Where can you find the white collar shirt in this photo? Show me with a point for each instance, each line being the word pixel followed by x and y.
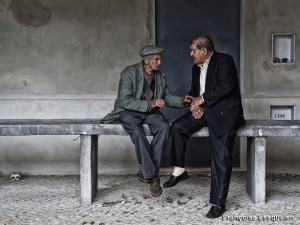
pixel 203 69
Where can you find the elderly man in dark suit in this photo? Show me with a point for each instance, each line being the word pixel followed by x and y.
pixel 142 92
pixel 217 104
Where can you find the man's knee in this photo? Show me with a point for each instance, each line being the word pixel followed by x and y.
pixel 126 117
pixel 175 126
pixel 163 127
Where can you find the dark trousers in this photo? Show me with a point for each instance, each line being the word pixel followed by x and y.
pixel 221 164
pixel 149 155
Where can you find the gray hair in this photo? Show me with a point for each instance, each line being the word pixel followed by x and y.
pixel 203 41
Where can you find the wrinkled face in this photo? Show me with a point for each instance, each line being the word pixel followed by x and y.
pixel 153 62
pixel 199 55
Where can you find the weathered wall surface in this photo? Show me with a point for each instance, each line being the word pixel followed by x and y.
pixel 62 59
pixel 70 47
pixel 265 84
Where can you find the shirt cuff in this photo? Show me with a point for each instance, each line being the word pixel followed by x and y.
pixel 202 98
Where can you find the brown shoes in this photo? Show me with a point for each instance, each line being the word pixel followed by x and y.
pixel 141 177
pixel 155 188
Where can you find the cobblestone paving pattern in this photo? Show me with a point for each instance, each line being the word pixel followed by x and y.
pixel 122 199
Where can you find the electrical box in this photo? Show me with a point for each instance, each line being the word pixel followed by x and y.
pixel 283 48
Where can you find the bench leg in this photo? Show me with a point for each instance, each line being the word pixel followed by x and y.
pixel 256 169
pixel 88 168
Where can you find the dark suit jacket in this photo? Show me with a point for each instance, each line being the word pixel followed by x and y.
pixel 223 109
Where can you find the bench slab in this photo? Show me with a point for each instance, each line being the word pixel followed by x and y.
pixel 26 127
pixel 256 132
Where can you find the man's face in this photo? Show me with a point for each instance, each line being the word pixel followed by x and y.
pixel 199 56
pixel 153 62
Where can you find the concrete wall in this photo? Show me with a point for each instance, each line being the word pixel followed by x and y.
pixel 62 59
pixel 263 83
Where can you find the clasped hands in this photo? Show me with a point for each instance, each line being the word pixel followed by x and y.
pixel 196 108
pixel 196 102
pixel 157 103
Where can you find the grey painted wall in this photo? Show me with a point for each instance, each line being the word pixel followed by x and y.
pixel 62 59
pixel 76 48
pixel 264 84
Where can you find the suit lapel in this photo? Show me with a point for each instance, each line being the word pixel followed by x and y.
pixel 210 70
pixel 140 81
pixel 195 80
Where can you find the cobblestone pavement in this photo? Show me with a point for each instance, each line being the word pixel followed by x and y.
pixel 122 199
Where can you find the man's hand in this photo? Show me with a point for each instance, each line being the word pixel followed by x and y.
pixel 196 102
pixel 197 112
pixel 187 99
pixel 157 103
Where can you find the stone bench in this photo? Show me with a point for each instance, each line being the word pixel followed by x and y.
pixel 256 132
pixel 88 129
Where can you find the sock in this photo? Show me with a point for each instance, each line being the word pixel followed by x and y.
pixel 178 171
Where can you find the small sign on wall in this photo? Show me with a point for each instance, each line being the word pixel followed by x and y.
pixel 282 112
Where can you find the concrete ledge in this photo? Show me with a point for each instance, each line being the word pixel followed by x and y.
pixel 24 127
pixel 89 129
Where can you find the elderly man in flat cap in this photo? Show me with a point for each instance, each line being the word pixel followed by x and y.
pixel 142 92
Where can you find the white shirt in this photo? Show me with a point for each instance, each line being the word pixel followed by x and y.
pixel 203 73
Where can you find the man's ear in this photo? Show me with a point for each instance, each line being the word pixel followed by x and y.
pixel 146 60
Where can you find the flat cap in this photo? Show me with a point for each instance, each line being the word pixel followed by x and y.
pixel 150 50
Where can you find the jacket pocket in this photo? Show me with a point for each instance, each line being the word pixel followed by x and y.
pixel 232 105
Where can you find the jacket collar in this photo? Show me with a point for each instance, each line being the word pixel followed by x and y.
pixel 210 69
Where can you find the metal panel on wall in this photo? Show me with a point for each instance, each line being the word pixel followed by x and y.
pixel 179 21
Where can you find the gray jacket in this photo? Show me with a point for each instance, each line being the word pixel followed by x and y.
pixel 130 92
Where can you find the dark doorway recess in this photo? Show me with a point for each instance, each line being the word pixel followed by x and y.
pixel 179 21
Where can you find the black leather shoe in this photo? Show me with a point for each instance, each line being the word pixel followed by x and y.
pixel 175 180
pixel 215 212
pixel 141 177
